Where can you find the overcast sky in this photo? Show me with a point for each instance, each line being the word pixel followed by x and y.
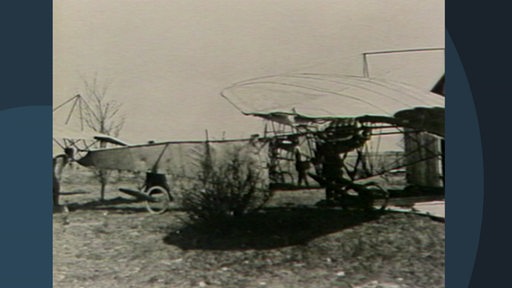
pixel 167 60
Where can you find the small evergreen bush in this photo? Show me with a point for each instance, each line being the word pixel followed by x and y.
pixel 226 188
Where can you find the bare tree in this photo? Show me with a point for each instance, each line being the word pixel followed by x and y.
pixel 103 113
pixel 103 116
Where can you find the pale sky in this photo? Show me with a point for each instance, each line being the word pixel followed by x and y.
pixel 168 60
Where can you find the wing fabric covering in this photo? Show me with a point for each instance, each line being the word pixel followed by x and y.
pixel 328 96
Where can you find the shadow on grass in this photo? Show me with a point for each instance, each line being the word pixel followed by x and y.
pixel 109 205
pixel 268 229
pixel 74 193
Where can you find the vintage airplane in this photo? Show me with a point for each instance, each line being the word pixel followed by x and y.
pixel 320 126
pixel 324 127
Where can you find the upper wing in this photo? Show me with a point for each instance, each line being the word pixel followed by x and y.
pixel 326 96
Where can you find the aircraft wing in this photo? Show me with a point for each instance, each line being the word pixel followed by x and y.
pixel 324 96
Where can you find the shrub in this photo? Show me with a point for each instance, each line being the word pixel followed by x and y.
pixel 225 188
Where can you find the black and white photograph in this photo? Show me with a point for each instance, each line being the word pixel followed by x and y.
pixel 249 143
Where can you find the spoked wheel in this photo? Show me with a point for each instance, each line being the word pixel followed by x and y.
pixel 162 199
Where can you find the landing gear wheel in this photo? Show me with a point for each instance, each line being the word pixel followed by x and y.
pixel 162 199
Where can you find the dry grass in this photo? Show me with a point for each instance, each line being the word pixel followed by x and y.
pixel 121 245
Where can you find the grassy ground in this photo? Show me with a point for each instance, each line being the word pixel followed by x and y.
pixel 289 244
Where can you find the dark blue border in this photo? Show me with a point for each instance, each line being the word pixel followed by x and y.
pixel 26 48
pixel 480 32
pixel 464 183
pixel 26 215
pixel 25 146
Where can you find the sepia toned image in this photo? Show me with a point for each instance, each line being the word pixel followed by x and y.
pixel 225 143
